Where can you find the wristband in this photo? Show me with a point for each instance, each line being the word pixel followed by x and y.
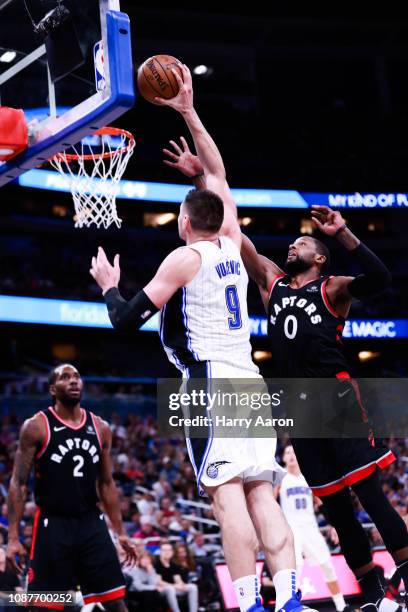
pixel 341 229
pixel 196 176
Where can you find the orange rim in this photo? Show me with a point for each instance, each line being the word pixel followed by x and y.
pixel 105 131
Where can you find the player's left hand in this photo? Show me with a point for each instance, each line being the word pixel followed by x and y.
pixel 183 159
pixel 327 220
pixel 106 275
pixel 183 101
pixel 129 549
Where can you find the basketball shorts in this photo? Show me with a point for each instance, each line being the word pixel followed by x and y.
pixel 309 543
pixel 216 459
pixel 72 552
pixel 332 464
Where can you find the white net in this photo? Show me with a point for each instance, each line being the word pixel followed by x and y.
pixel 93 170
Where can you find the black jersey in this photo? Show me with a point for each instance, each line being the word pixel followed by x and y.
pixel 67 466
pixel 304 331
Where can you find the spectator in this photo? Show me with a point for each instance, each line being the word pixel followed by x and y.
pixel 8 579
pixel 171 581
pixel 146 530
pixel 143 584
pixel 200 548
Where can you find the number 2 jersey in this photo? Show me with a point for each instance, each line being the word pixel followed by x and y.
pixel 304 331
pixel 207 320
pixel 67 466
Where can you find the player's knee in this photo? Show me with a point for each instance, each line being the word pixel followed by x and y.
pixel 328 571
pixel 118 605
pixel 282 538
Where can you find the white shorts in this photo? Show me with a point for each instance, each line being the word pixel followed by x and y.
pixel 217 460
pixel 310 543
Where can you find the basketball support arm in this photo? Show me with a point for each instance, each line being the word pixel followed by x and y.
pixel 128 315
pixel 375 278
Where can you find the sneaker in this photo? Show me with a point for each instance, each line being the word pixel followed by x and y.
pixel 294 604
pixel 389 605
pixel 257 607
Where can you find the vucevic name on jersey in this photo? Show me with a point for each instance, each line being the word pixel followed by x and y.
pixel 67 466
pixel 304 330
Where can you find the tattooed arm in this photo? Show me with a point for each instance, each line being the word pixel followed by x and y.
pixel 108 494
pixel 32 436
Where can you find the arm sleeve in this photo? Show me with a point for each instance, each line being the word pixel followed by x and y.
pixel 375 278
pixel 129 315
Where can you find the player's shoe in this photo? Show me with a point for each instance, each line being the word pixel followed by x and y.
pixel 257 607
pixel 392 606
pixel 294 604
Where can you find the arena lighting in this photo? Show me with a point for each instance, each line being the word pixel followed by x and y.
pixel 201 70
pixel 245 221
pixel 8 57
pixel 262 355
pixel 306 226
pixel 367 355
pixel 165 218
pixel 157 220
pixel 250 198
pixel 17 309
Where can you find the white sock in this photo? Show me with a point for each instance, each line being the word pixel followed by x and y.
pixel 339 602
pixel 246 591
pixel 285 586
pixel 387 605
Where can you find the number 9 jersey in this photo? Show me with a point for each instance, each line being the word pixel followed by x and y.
pixel 207 320
pixel 67 465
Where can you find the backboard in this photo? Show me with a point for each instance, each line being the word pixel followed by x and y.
pixel 61 111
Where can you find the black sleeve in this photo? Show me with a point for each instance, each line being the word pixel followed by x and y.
pixel 375 278
pixel 129 315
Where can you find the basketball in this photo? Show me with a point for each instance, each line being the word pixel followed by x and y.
pixel 155 77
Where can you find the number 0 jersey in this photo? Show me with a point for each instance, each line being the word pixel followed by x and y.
pixel 207 320
pixel 304 331
pixel 67 466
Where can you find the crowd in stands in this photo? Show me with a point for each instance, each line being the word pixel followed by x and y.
pixel 163 513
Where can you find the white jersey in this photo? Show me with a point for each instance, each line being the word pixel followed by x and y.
pixel 207 320
pixel 296 500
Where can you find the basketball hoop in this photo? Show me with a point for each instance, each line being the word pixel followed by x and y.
pixel 93 169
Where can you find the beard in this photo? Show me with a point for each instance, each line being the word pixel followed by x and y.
pixel 68 400
pixel 296 266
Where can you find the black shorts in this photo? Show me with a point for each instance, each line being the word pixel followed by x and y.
pixel 332 464
pixel 68 552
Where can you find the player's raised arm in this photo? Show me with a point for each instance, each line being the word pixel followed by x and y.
pixel 342 289
pixel 207 151
pixel 176 271
pixel 261 269
pixel 108 494
pixel 31 437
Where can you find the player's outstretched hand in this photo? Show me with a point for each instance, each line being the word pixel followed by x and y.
pixel 16 549
pixel 129 549
pixel 183 159
pixel 106 275
pixel 327 220
pixel 183 101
